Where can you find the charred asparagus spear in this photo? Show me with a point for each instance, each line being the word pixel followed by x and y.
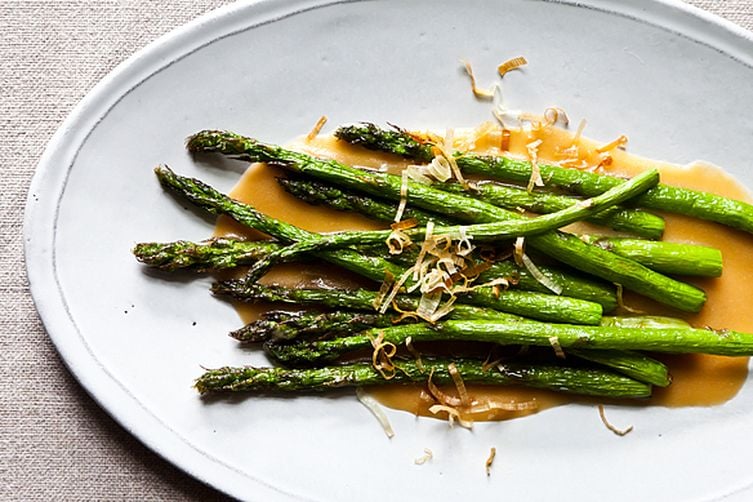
pixel 591 382
pixel 212 254
pixel 685 340
pixel 566 248
pixel 279 326
pixel 525 303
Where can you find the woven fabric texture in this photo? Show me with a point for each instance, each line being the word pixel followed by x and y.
pixel 55 442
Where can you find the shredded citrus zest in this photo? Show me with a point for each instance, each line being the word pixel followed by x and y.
pixel 440 396
pixel 448 151
pixel 617 143
pixel 533 156
pixel 619 432
pixel 403 196
pixel 555 343
pixel 317 128
pixel 387 300
pixel 555 114
pixel 416 354
pixel 459 384
pixel 376 410
pixel 540 276
pixel 501 112
pixel 519 250
pixel 428 455
pixel 511 64
pixel 477 91
pixel 490 460
pixel 579 131
pixel 381 357
pixel 489 405
pixel 504 144
pixel 621 302
pixel 404 224
pixel 452 415
pixel 397 241
pixel 387 283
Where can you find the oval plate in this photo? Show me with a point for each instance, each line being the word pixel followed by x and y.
pixel 668 76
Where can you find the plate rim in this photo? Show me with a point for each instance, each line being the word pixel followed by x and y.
pixel 39 223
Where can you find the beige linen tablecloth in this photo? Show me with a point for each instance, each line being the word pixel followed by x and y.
pixel 55 442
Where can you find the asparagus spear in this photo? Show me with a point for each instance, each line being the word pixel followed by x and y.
pixel 640 223
pixel 592 382
pixel 315 192
pixel 667 257
pixel 566 248
pixel 280 325
pixel 396 141
pixel 524 303
pixel 212 254
pixel 632 364
pixel 481 232
pixel 706 206
pixel 284 325
pixel 686 340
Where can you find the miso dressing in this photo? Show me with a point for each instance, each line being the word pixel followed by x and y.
pixel 698 380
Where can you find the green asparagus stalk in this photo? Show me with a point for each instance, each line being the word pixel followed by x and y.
pixel 667 257
pixel 632 364
pixel 396 141
pixel 280 325
pixel 566 248
pixel 480 232
pixel 706 206
pixel 640 223
pixel 285 325
pixel 212 254
pixel 585 381
pixel 686 340
pixel 316 193
pixel 523 303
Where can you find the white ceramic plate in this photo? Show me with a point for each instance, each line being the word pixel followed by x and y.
pixel 675 80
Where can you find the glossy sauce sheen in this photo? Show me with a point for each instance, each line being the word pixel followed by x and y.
pixel 698 380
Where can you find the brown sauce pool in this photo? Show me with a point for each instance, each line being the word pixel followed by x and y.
pixel 698 380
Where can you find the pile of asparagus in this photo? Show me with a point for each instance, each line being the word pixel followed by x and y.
pixel 557 337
